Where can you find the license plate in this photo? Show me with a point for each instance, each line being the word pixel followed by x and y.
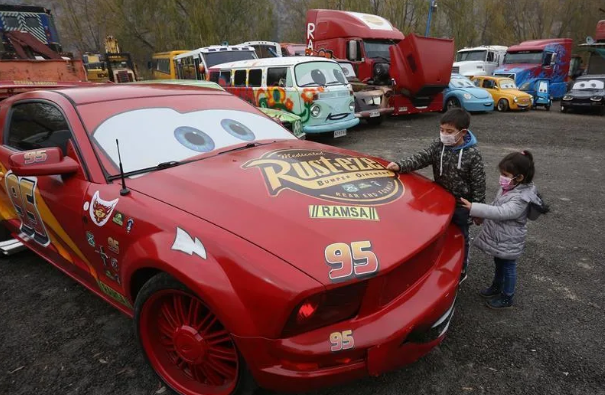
pixel 403 109
pixel 374 114
pixel 340 133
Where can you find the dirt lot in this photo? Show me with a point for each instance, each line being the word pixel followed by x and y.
pixel 57 338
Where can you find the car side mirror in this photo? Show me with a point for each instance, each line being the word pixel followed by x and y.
pixel 352 50
pixel 42 162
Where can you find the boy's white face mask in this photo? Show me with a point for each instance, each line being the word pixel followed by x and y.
pixel 448 139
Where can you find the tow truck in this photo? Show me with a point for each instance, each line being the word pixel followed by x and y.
pixel 416 68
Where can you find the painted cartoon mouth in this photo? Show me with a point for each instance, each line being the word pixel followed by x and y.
pixel 336 117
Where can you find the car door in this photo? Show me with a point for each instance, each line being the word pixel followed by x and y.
pixel 43 211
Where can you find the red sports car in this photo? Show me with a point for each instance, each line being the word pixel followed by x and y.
pixel 246 256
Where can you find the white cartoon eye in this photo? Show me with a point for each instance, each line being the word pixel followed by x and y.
pixel 238 129
pixel 194 139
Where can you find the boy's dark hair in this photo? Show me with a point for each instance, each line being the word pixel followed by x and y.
pixel 519 163
pixel 458 117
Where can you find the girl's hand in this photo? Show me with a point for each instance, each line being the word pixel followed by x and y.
pixel 466 204
pixel 393 166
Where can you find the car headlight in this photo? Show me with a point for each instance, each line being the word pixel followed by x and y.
pixel 467 96
pixel 315 110
pixel 351 106
pixel 567 97
pixel 596 98
pixel 531 99
pixel 516 99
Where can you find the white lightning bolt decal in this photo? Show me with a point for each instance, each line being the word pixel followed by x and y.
pixel 185 243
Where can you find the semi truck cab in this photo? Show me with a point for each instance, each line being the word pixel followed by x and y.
pixel 479 60
pixel 416 68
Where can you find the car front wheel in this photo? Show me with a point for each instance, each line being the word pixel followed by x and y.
pixel 502 105
pixel 452 102
pixel 185 342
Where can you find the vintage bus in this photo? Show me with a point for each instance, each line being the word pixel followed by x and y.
pixel 162 65
pixel 313 88
pixel 192 65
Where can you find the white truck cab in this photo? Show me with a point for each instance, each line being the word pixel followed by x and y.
pixel 264 49
pixel 477 61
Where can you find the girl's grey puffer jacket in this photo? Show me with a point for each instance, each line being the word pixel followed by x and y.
pixel 505 227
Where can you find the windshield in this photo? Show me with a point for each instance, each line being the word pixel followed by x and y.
pixel 214 58
pixel 589 84
pixel 461 83
pixel 507 84
pixel 319 73
pixel 470 55
pixel 347 69
pixel 156 130
pixel 378 49
pixel 523 57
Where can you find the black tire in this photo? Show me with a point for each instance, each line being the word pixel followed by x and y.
pixel 161 282
pixel 375 121
pixel 5 234
pixel 452 102
pixel 502 105
pixel 548 107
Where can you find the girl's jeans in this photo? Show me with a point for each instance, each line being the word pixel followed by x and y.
pixel 505 276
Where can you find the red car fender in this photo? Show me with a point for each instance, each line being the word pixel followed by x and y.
pixel 248 298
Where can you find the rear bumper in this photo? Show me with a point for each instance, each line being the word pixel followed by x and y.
pixel 331 126
pixel 398 334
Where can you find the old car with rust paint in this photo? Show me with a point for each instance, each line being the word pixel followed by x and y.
pixel 245 256
pixel 371 101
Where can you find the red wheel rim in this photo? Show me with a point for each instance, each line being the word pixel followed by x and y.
pixel 187 345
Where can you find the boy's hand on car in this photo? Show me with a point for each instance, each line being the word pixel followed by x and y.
pixel 466 204
pixel 393 166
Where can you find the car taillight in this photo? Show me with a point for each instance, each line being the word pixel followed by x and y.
pixel 325 308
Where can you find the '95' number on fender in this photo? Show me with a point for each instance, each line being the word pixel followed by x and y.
pixel 355 260
pixel 22 192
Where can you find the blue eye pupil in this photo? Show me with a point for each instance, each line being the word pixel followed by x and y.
pixel 194 138
pixel 237 129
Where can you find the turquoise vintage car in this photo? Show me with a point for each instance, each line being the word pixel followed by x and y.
pixel 461 92
pixel 290 121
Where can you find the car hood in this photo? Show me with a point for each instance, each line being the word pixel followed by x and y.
pixel 274 196
pixel 585 93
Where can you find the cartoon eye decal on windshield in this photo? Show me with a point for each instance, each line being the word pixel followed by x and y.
pixel 238 129
pixel 339 76
pixel 194 139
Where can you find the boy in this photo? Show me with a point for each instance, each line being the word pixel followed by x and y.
pixel 457 167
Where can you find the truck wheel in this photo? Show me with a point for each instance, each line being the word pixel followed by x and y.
pixel 502 105
pixel 185 343
pixel 375 121
pixel 452 102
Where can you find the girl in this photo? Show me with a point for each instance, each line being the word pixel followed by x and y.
pixel 504 230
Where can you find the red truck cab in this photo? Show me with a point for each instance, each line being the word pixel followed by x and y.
pixel 417 68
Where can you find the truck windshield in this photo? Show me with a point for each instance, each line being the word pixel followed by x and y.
pixel 378 48
pixel 523 57
pixel 470 56
pixel 319 74
pixel 214 58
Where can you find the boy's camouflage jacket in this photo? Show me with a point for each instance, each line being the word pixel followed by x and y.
pixel 457 169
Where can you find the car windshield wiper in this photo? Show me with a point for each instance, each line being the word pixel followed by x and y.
pixel 335 83
pixel 159 166
pixel 243 147
pixel 309 83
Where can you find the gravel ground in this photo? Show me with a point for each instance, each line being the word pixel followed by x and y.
pixel 58 338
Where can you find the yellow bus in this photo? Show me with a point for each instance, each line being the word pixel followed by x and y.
pixel 162 65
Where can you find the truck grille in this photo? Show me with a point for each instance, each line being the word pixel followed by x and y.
pixel 409 272
pixel 124 76
pixel 455 69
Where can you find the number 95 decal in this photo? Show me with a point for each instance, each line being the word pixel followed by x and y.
pixel 355 260
pixel 341 341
